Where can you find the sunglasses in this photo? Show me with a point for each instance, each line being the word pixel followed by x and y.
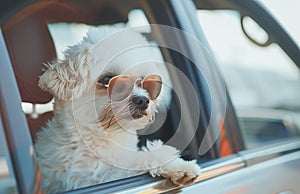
pixel 120 87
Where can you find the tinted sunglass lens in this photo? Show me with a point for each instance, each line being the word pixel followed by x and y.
pixel 120 87
pixel 152 84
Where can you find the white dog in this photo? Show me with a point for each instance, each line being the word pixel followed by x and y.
pixel 107 87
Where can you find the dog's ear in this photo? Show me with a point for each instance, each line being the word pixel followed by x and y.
pixel 66 79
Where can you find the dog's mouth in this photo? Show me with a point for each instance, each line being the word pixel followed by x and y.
pixel 114 113
pixel 138 114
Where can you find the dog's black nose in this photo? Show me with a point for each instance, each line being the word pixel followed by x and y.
pixel 140 102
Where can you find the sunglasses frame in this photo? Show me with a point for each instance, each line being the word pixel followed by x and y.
pixel 152 81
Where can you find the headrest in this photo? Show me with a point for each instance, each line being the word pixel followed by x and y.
pixel 30 44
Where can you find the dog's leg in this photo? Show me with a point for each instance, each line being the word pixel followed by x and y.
pixel 179 171
pixel 164 160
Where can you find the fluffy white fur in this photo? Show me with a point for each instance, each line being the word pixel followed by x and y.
pixel 89 140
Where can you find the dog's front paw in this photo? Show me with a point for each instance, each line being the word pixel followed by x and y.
pixel 182 172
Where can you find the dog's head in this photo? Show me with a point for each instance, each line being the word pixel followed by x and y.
pixel 114 77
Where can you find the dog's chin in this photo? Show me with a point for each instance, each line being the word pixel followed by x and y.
pixel 137 121
pixel 122 115
pixel 139 114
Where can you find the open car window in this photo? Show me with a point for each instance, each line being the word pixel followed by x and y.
pixel 53 33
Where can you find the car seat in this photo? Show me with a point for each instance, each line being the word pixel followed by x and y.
pixel 30 45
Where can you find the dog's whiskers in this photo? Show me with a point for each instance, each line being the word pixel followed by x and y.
pixel 114 112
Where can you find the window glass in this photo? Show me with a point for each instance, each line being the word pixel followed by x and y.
pixel 263 82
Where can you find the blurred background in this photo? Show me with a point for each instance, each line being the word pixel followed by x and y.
pixel 263 82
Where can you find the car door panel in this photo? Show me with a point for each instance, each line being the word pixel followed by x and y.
pixel 278 165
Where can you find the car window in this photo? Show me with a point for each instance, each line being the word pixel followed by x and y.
pixel 263 82
pixel 65 34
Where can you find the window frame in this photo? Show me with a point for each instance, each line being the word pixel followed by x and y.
pixel 7 178
pixel 15 126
